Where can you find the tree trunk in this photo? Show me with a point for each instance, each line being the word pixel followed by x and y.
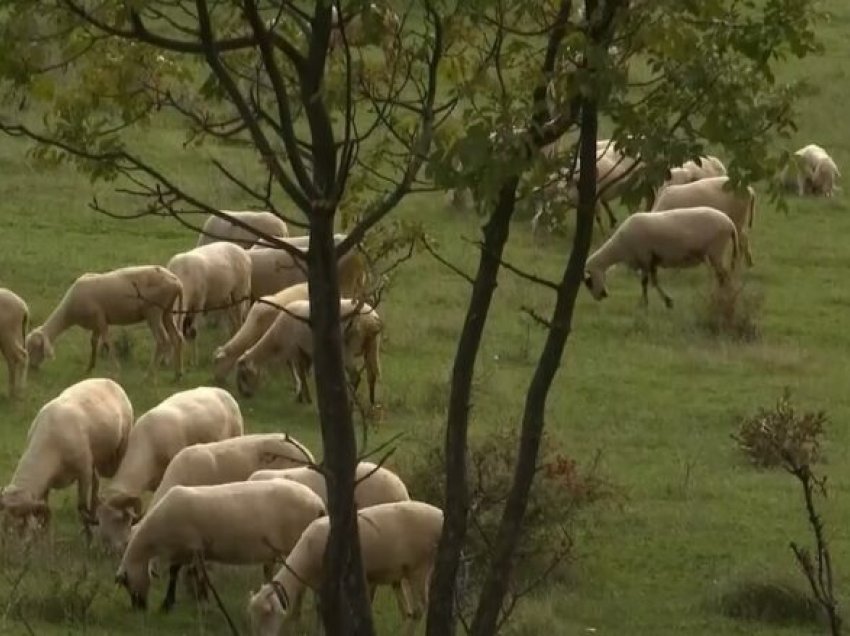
pixel 487 617
pixel 345 606
pixel 441 614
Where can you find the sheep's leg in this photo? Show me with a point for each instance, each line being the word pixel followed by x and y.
pixel 653 276
pixel 175 338
pixel 402 601
pixel 22 360
pixel 84 496
pixel 95 340
pixel 744 242
pixel 644 285
pixel 171 592
pixel 94 497
pixel 161 341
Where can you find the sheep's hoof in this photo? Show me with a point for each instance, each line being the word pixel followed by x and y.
pixel 669 303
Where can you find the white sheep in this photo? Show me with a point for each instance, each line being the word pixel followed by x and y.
pixel 196 416
pixel 717 193
pixel 398 543
pixel 230 460
pixel 673 238
pixel 260 317
pixel 214 276
pixel 815 170
pixel 375 484
pixel 616 174
pixel 77 437
pixel 289 340
pixel 273 269
pixel 216 228
pixel 14 322
pixel 694 170
pixel 124 296
pixel 240 523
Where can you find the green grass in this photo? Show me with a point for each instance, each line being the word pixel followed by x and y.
pixel 656 397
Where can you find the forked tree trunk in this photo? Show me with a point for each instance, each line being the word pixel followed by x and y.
pixel 488 613
pixel 441 619
pixel 345 606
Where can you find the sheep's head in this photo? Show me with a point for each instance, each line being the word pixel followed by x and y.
pixel 137 582
pixel 595 281
pixel 38 348
pixel 267 610
pixel 114 521
pixel 221 365
pixel 247 377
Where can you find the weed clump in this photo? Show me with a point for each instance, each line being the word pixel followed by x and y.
pixel 730 311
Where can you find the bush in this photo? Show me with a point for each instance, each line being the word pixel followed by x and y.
pixel 778 603
pixel 730 311
pixel 562 488
pixel 780 436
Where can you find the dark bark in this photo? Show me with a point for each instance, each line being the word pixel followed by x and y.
pixel 441 611
pixel 345 607
pixel 487 617
pixel 441 619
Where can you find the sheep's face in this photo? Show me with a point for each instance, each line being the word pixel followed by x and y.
pixel 266 613
pixel 595 282
pixel 38 348
pixel 113 527
pixel 247 378
pixel 221 365
pixel 137 583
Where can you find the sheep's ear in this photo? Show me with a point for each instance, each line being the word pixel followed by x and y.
pixel 587 280
pixel 218 354
pixel 121 579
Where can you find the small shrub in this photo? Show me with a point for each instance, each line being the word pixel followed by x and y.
pixel 777 603
pixel 561 489
pixel 781 436
pixel 730 311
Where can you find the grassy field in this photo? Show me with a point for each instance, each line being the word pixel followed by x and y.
pixel 653 394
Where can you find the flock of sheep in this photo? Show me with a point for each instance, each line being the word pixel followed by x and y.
pixel 217 492
pixel 694 217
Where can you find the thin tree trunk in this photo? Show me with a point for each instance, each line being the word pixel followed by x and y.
pixel 441 618
pixel 345 606
pixel 487 617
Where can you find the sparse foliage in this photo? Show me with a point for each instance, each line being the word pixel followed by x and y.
pixel 781 436
pixel 731 311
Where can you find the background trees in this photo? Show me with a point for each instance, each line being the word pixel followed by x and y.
pixel 345 132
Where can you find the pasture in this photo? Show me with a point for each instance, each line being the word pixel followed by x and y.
pixel 652 393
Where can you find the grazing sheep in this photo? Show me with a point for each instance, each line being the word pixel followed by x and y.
pixel 714 192
pixel 616 174
pixel 122 296
pixel 14 322
pixel 691 171
pixel 239 523
pixel 376 485
pixel 230 460
pixel 217 229
pixel 289 340
pixel 398 543
pixel 816 171
pixel 378 25
pixel 197 416
pixel 273 269
pixel 214 276
pixel 260 317
pixel 673 238
pixel 77 437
